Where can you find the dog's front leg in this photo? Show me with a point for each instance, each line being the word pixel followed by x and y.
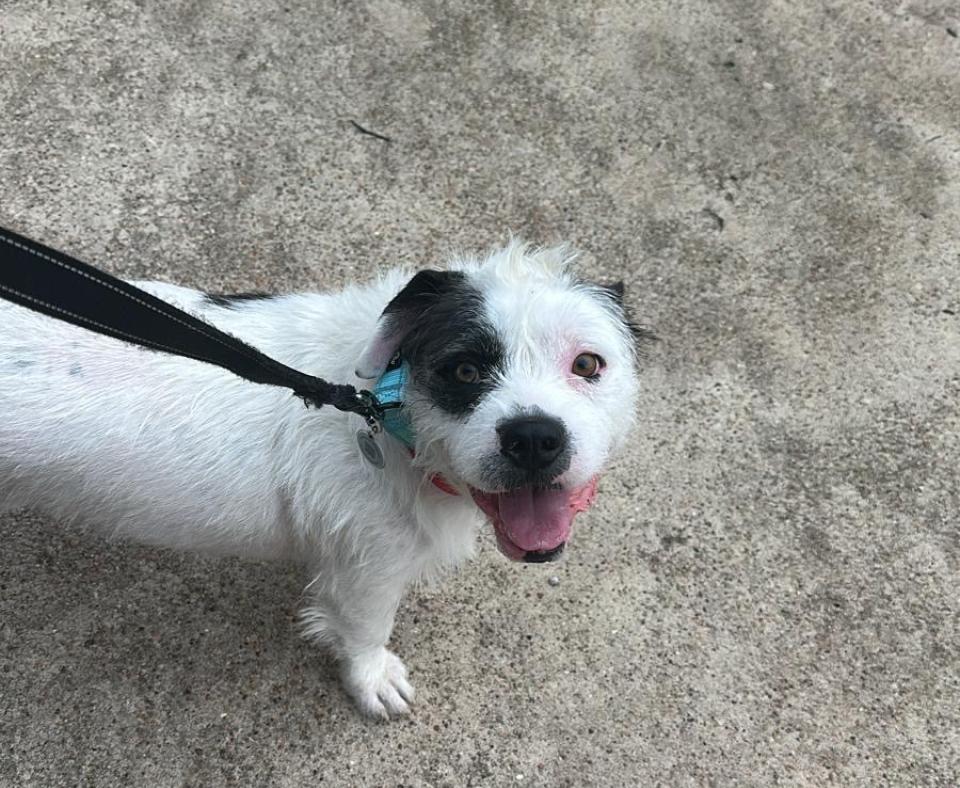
pixel 354 615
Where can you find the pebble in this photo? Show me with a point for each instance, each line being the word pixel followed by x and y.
pixel 554 580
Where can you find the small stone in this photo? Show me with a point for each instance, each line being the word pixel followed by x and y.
pixel 554 580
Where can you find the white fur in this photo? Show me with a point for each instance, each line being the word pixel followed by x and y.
pixel 176 453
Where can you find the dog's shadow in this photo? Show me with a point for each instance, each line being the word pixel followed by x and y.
pixel 86 619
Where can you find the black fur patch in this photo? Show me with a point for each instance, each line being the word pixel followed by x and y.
pixel 230 300
pixel 442 319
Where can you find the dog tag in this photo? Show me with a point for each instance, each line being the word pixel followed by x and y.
pixel 369 448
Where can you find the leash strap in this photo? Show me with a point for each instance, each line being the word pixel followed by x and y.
pixel 55 284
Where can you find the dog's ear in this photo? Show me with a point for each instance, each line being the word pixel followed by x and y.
pixel 615 292
pixel 419 294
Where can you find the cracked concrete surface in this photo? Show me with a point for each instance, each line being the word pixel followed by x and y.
pixel 767 590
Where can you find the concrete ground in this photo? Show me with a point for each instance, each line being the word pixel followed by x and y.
pixel 767 592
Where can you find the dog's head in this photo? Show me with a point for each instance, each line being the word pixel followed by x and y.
pixel 522 385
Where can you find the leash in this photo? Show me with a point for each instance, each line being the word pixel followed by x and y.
pixel 55 284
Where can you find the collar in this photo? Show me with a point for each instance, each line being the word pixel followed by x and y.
pixel 442 484
pixel 389 391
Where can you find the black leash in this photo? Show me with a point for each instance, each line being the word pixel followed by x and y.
pixel 60 286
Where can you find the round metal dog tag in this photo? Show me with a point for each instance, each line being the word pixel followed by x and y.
pixel 369 448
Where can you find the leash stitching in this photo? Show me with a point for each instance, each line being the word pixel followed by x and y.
pixel 108 330
pixel 133 298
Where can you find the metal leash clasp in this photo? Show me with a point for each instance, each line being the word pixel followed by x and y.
pixel 369 407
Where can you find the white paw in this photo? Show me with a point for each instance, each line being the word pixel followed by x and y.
pixel 377 682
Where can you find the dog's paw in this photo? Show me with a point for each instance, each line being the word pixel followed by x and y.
pixel 378 684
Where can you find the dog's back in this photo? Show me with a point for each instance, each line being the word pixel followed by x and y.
pixel 135 442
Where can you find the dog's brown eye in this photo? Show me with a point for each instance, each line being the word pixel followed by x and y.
pixel 586 365
pixel 467 372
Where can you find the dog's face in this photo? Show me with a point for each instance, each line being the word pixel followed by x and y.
pixel 522 385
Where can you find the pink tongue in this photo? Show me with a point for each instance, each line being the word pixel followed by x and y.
pixel 542 519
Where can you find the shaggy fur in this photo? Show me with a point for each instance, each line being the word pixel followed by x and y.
pixel 175 453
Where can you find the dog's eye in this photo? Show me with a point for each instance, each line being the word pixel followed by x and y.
pixel 587 365
pixel 467 372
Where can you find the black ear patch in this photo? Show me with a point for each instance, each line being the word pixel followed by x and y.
pixel 423 290
pixel 615 292
pixel 433 302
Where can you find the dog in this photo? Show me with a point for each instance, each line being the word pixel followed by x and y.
pixel 515 381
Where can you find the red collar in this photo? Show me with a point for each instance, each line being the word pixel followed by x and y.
pixel 442 484
pixel 438 481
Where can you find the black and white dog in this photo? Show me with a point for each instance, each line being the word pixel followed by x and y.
pixel 517 380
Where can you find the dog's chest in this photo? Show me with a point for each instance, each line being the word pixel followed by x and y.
pixel 449 527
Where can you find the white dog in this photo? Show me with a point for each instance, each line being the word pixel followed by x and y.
pixel 520 382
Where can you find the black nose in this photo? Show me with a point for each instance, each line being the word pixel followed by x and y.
pixel 532 443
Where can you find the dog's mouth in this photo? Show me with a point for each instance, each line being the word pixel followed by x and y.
pixel 533 524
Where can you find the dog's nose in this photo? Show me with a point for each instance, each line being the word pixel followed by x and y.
pixel 532 443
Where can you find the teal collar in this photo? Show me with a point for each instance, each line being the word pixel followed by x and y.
pixel 389 391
